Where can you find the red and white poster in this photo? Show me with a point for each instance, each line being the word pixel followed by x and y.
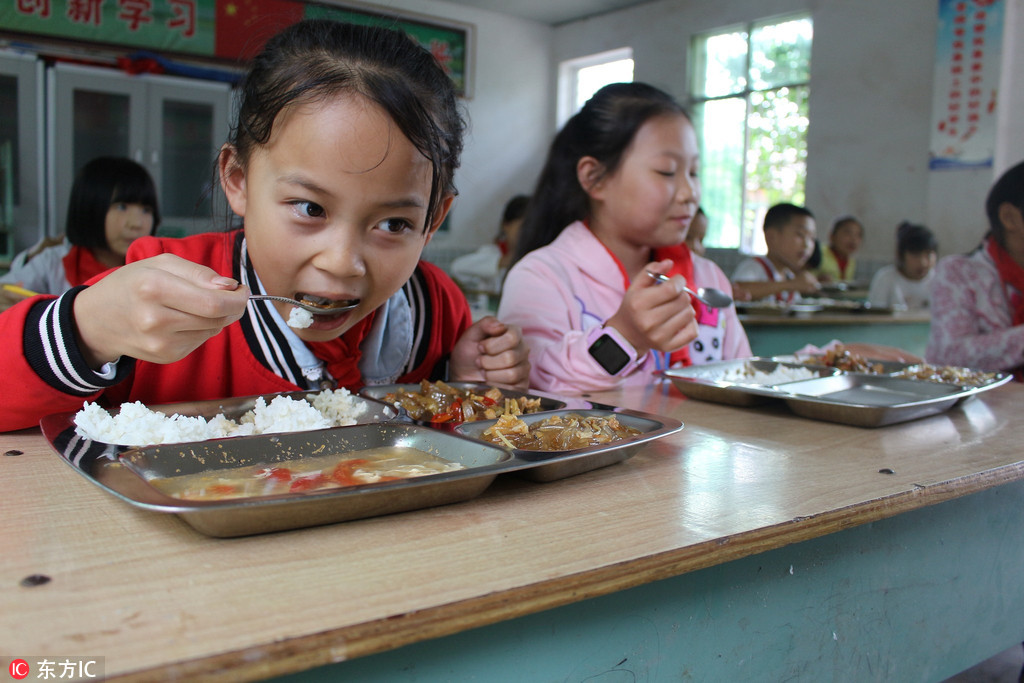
pixel 967 65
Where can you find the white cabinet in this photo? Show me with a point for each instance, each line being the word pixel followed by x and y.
pixel 22 203
pixel 172 126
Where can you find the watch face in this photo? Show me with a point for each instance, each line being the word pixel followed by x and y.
pixel 609 354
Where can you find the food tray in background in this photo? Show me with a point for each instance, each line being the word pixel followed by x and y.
pixel 852 398
pixel 720 382
pixel 553 465
pixel 127 472
pixel 797 309
pixel 378 393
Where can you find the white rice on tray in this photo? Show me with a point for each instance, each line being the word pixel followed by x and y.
pixel 746 374
pixel 137 425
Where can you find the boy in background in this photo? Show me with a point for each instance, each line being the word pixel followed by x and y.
pixel 779 276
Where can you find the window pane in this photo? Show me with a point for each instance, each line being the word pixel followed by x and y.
pixel 721 131
pixel 101 126
pixel 780 54
pixel 590 79
pixel 9 136
pixel 725 65
pixel 776 152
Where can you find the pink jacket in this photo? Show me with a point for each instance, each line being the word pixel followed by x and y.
pixel 560 295
pixel 972 325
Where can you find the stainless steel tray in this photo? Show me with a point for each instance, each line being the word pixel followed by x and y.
pixel 858 399
pixel 865 400
pixel 378 393
pixel 711 381
pixel 123 472
pixel 553 465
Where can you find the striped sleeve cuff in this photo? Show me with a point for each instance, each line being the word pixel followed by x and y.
pixel 50 344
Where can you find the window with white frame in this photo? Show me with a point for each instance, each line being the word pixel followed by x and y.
pixel 749 92
pixel 579 79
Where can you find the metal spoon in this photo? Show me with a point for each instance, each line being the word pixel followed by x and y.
pixel 313 304
pixel 711 297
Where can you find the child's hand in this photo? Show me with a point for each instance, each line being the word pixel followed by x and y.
pixel 159 309
pixel 655 315
pixel 804 282
pixel 491 352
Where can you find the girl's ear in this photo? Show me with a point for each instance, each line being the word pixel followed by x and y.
pixel 1012 218
pixel 439 216
pixel 232 179
pixel 590 174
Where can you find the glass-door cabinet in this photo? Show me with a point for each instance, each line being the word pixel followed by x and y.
pixel 22 205
pixel 172 126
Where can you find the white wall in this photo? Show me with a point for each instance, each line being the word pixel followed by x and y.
pixel 510 120
pixel 871 91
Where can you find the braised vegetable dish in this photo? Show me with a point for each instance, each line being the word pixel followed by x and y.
pixel 843 359
pixel 557 433
pixel 439 402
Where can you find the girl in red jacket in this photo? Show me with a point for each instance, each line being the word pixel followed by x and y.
pixel 341 166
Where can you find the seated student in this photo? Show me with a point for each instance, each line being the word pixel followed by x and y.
pixel 907 283
pixel 837 258
pixel 780 276
pixel 342 169
pixel 112 203
pixel 484 269
pixel 613 203
pixel 978 298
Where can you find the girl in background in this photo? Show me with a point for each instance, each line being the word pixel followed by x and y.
pixel 838 259
pixel 113 203
pixel 614 201
pixel 978 298
pixel 907 284
pixel 341 167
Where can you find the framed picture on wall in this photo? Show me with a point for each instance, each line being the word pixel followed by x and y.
pixel 450 42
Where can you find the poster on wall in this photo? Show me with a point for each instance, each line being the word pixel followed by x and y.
pixel 967 66
pixel 227 30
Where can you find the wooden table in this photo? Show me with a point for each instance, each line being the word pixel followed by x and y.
pixel 753 545
pixel 772 335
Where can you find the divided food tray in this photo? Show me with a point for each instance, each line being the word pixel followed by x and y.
pixel 853 398
pixel 136 474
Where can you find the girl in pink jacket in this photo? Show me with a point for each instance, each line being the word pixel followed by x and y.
pixel 615 199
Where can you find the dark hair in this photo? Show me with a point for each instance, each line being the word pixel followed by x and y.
pixel 778 216
pixel 814 260
pixel 515 208
pixel 99 184
pixel 1008 189
pixel 914 239
pixel 315 59
pixel 843 220
pixel 603 129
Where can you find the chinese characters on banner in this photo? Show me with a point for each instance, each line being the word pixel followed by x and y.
pixel 184 26
pixel 232 30
pixel 967 65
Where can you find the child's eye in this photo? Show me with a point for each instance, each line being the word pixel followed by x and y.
pixel 394 226
pixel 666 173
pixel 309 209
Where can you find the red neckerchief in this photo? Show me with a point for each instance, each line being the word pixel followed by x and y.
pixel 770 272
pixel 342 355
pixel 841 261
pixel 1012 276
pixel 81 265
pixel 682 264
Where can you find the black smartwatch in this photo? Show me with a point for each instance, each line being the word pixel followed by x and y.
pixel 608 354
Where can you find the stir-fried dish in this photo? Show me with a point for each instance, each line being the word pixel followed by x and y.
pixel 439 402
pixel 368 466
pixel 843 359
pixel 557 433
pixel 947 374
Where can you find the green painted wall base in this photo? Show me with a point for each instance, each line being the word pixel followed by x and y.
pixel 918 597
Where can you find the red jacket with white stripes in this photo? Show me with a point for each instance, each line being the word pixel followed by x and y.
pixel 45 373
